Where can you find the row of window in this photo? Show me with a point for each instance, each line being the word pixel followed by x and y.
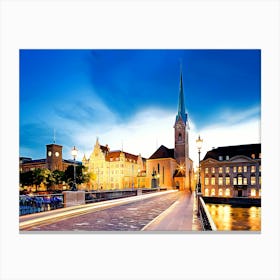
pixel 226 192
pixel 235 181
pixel 235 169
pixel 253 156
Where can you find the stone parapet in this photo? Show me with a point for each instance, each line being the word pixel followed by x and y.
pixel 72 198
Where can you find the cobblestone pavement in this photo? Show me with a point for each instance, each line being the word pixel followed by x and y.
pixel 129 217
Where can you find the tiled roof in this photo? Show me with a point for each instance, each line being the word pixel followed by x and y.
pixel 231 151
pixel 116 154
pixel 162 152
pixel 104 149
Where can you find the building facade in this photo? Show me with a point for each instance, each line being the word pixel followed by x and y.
pixel 232 171
pixel 53 160
pixel 115 169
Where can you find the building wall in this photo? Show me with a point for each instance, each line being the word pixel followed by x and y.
pixel 235 177
pixel 164 168
pixel 117 172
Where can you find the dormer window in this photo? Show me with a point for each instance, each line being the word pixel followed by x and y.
pixel 253 156
pixel 220 157
pixel 227 157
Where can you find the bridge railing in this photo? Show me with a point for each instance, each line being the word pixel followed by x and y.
pixel 205 217
pixel 29 204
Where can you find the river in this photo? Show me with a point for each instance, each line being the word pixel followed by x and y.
pixel 228 217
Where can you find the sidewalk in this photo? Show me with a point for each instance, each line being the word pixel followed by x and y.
pixel 180 216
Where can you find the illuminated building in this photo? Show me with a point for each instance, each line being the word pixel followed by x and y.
pixel 53 160
pixel 172 168
pixel 115 169
pixel 232 171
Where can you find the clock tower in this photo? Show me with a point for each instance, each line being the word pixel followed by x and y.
pixel 181 147
pixel 54 157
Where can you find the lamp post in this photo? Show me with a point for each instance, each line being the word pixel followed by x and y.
pixel 74 153
pixel 199 142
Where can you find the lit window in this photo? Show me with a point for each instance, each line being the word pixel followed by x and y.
pixel 260 192
pixel 234 169
pixel 260 155
pixel 213 181
pixel 227 157
pixel 253 192
pixel 245 181
pixel 227 181
pixel 260 168
pixel 220 182
pixel 253 168
pixel 239 180
pixel 227 192
pixel 253 156
pixel 239 169
pixel 220 157
pixel 206 170
pixel 235 181
pixel 206 192
pixel 260 180
pixel 220 192
pixel 213 192
pixel 206 181
pixel 253 180
pixel 213 169
pixel 220 170
pixel 227 169
pixel 245 168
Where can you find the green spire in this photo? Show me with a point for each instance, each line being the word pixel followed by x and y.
pixel 181 103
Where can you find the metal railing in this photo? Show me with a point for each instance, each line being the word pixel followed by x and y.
pixel 29 204
pixel 205 217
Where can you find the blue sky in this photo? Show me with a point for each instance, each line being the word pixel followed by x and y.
pixel 129 98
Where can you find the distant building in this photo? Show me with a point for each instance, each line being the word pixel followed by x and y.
pixel 53 160
pixel 115 169
pixel 232 171
pixel 172 168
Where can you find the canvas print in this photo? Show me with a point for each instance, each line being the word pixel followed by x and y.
pixel 162 141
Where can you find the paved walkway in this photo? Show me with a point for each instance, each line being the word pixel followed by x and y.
pixel 180 216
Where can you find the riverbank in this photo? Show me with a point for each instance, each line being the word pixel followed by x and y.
pixel 234 201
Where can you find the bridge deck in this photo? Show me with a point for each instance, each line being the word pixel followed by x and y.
pixel 180 216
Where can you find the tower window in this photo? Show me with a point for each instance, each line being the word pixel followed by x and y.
pixel 180 137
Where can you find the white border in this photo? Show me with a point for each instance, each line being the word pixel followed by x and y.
pixel 154 24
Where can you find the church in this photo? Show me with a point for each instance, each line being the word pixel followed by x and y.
pixel 172 168
pixel 166 168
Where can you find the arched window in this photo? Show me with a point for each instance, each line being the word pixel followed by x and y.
pixel 206 192
pixel 212 192
pixel 220 192
pixel 180 137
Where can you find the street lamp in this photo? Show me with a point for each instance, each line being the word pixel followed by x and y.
pixel 199 142
pixel 74 153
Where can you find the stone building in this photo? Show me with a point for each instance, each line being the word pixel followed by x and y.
pixel 115 169
pixel 173 168
pixel 232 171
pixel 53 160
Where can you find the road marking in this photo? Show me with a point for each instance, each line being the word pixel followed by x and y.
pixel 84 209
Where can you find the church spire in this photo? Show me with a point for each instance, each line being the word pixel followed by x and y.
pixel 181 103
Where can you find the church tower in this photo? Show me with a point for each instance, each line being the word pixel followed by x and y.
pixel 181 147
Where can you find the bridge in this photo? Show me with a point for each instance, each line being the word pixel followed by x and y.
pixel 137 211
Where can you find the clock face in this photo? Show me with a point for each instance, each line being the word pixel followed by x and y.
pixel 57 154
pixel 49 153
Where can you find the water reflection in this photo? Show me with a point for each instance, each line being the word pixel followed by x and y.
pixel 227 217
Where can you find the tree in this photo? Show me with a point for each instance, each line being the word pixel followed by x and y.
pixel 81 175
pixel 26 178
